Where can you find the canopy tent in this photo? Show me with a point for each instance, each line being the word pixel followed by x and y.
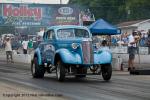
pixel 101 27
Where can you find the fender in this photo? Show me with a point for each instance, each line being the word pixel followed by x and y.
pixel 37 52
pixel 102 57
pixel 69 57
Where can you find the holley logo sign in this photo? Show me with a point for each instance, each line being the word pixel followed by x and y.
pixel 22 11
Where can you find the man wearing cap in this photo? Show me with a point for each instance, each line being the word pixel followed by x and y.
pixel 8 49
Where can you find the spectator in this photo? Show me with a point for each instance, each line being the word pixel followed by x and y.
pixel 104 43
pixel 25 46
pixel 30 45
pixel 1 43
pixel 132 44
pixel 120 42
pixel 142 41
pixel 148 40
pixel 8 49
pixel 114 41
pixel 125 38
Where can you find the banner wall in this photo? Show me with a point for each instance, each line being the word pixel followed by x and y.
pixel 38 15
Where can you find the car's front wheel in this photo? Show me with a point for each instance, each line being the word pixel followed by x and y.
pixel 106 71
pixel 60 70
pixel 36 69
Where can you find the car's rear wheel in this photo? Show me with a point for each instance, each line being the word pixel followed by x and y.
pixel 37 70
pixel 106 71
pixel 60 71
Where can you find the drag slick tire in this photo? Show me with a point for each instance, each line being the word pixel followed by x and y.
pixel 37 70
pixel 60 71
pixel 106 71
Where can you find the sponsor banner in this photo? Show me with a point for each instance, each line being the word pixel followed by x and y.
pixel 124 50
pixel 119 49
pixel 38 15
pixel 143 50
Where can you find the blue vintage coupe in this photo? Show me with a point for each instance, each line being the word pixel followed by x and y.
pixel 68 50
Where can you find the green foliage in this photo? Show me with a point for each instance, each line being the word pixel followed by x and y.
pixel 117 11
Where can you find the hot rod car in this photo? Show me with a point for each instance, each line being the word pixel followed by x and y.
pixel 68 50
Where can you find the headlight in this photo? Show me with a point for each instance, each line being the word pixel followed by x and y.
pixel 74 45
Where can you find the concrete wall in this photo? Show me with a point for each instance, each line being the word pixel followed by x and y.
pixel 138 58
pixel 22 58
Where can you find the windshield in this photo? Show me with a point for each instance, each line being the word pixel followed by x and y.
pixel 72 33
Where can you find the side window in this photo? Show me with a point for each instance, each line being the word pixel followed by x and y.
pixel 50 34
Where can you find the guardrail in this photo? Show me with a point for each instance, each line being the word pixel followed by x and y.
pixel 114 50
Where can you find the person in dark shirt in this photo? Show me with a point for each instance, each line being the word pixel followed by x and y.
pixel 148 40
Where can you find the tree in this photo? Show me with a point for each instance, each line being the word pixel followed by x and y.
pixel 117 10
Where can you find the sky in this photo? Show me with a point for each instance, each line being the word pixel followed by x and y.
pixel 35 1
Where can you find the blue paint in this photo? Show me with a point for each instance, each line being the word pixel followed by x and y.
pixel 37 52
pixel 69 57
pixel 103 57
pixel 47 50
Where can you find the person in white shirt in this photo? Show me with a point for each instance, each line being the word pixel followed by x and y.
pixel 8 49
pixel 132 47
pixel 25 46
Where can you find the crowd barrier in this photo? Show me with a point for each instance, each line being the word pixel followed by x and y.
pixel 120 55
pixel 22 58
pixel 124 50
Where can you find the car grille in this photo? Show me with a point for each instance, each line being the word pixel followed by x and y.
pixel 87 51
